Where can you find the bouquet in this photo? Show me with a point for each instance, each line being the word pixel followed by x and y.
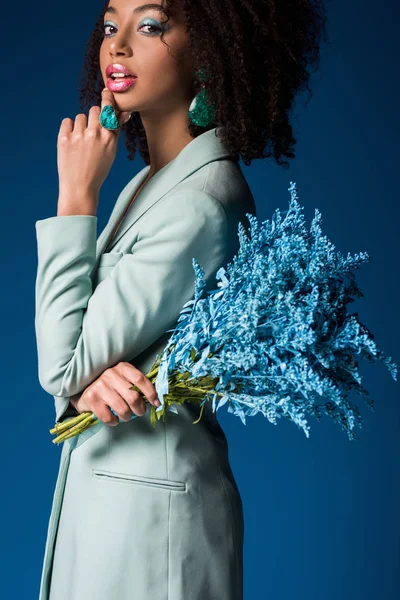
pixel 273 338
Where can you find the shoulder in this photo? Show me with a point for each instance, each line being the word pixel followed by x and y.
pixel 226 182
pixel 221 181
pixel 216 195
pixel 185 209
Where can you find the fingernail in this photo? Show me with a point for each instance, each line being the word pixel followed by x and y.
pixel 157 402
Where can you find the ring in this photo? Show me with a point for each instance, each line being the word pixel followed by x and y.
pixel 108 118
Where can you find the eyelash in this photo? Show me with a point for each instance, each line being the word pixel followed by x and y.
pixel 155 27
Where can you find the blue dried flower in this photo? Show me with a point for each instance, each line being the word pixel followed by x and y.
pixel 275 335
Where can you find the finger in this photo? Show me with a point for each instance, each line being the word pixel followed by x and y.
pixel 111 390
pixel 99 407
pixel 107 99
pixel 93 396
pixel 117 394
pixel 132 399
pixel 66 127
pixel 93 117
pixel 118 401
pixel 80 123
pixel 139 379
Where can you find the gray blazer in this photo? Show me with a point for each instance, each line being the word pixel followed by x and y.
pixel 139 512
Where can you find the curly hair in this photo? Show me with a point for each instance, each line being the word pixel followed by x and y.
pixel 256 54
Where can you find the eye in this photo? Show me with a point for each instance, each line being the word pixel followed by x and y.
pixel 104 29
pixel 155 27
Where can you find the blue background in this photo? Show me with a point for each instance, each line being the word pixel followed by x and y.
pixel 321 514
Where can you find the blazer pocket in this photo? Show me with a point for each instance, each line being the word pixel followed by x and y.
pixel 105 265
pixel 161 484
pixel 109 259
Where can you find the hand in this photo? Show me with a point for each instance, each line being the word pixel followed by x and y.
pixel 111 389
pixel 85 153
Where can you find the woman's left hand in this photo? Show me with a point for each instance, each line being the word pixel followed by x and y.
pixel 112 390
pixel 86 152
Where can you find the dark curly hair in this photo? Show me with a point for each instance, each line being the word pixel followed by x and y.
pixel 255 54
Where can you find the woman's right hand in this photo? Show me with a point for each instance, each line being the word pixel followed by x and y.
pixel 85 154
pixel 111 390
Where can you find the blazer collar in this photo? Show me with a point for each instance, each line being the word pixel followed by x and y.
pixel 201 150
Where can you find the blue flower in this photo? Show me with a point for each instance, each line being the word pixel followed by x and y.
pixel 275 333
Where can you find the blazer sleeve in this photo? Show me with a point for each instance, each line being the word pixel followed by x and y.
pixel 80 332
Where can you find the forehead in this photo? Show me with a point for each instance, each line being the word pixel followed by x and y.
pixel 136 7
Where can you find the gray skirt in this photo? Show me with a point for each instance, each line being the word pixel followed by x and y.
pixel 146 513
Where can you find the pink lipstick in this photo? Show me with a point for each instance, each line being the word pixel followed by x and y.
pixel 122 80
pixel 121 84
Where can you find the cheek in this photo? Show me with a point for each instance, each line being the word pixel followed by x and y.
pixel 165 60
pixel 156 61
pixel 160 71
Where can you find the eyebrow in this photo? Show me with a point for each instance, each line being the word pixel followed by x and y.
pixel 139 9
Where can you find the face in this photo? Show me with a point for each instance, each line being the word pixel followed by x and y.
pixel 132 39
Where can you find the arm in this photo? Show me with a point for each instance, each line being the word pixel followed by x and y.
pixel 80 333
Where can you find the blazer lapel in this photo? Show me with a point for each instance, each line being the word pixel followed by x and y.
pixel 201 150
pixel 119 206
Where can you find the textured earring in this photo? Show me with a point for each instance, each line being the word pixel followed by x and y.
pixel 201 112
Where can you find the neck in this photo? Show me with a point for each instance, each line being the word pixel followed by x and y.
pixel 165 140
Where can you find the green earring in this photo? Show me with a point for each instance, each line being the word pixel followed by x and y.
pixel 201 112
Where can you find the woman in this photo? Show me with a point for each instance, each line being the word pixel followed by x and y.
pixel 142 512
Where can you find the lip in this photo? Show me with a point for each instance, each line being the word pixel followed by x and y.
pixel 117 68
pixel 120 85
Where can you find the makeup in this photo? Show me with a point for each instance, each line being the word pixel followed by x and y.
pixel 120 84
